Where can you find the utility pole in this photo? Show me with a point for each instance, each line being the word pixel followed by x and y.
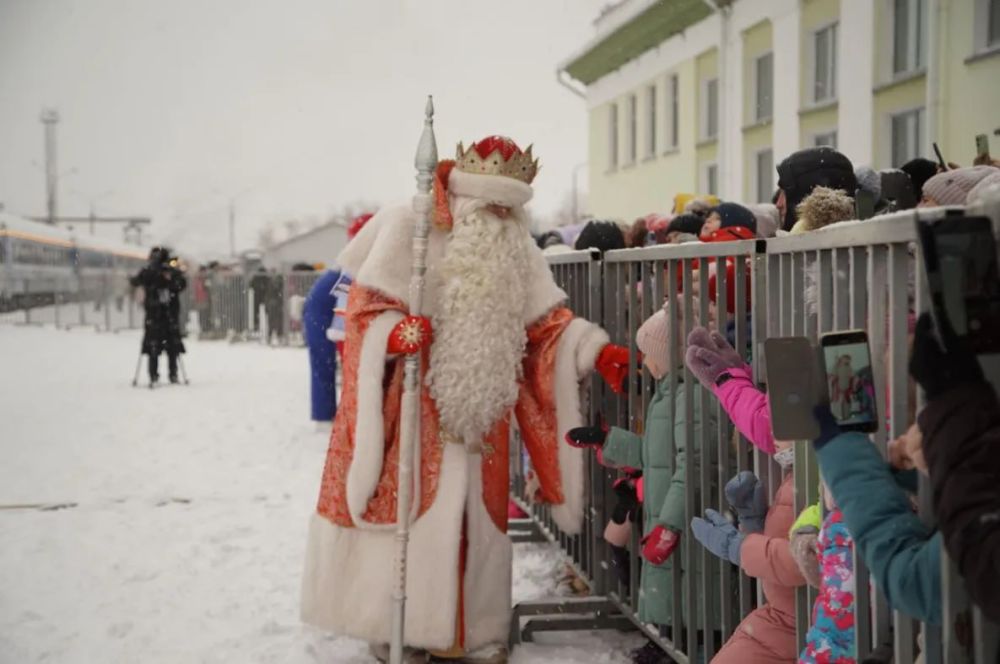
pixel 50 118
pixel 232 227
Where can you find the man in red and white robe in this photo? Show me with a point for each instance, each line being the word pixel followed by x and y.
pixel 499 349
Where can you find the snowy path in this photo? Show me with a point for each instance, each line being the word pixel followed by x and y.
pixel 185 534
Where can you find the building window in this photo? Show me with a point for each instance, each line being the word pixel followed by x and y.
pixel 763 87
pixel 907 136
pixel 825 64
pixel 765 175
pixel 711 183
pixel 651 121
pixel 613 137
pixel 710 110
pixel 673 111
pixel 993 24
pixel 909 22
pixel 631 139
pixel 827 138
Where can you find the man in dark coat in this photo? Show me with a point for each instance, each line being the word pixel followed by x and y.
pixel 961 430
pixel 162 284
pixel 803 171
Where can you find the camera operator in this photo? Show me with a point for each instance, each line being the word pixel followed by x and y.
pixel 162 282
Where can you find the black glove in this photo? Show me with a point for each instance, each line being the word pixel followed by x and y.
pixel 939 370
pixel 583 437
pixel 628 501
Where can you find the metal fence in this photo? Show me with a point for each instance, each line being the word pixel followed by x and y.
pixel 860 276
pixel 215 304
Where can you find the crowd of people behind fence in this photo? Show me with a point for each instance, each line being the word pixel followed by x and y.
pixel 867 502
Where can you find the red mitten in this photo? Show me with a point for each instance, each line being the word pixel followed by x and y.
pixel 659 544
pixel 411 335
pixel 612 364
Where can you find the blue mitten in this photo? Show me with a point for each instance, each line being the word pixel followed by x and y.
pixel 748 496
pixel 828 427
pixel 718 536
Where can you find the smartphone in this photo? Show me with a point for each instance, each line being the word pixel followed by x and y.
pixel 941 161
pixel 960 259
pixel 982 145
pixel 864 204
pixel 794 387
pixel 850 384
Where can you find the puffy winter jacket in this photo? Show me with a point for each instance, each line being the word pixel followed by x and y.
pixel 903 554
pixel 962 447
pixel 663 487
pixel 831 635
pixel 748 407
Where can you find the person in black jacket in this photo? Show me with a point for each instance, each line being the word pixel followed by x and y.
pixel 961 444
pixel 802 171
pixel 162 284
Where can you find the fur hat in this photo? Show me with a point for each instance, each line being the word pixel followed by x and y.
pixel 953 187
pixel 686 223
pixel 821 208
pixel 734 214
pixel 802 171
pixel 977 193
pixel 768 218
pixel 920 171
pixel 601 235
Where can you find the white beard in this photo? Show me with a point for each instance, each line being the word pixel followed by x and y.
pixel 479 333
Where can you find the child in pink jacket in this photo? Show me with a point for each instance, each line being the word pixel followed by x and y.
pixel 768 633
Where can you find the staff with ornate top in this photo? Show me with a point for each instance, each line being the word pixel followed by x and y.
pixel 425 162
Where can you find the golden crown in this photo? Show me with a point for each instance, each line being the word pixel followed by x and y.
pixel 497 155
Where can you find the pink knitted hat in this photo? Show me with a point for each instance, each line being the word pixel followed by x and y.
pixel 952 187
pixel 651 338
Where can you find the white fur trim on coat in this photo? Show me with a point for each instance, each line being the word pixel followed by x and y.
pixel 497 189
pixel 348 581
pixel 579 345
pixel 369 435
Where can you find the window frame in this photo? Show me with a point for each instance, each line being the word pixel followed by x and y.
pixel 815 136
pixel 757 179
pixel 706 170
pixel 613 158
pixel 706 111
pixel 920 112
pixel 832 63
pixel 981 42
pixel 671 111
pixel 631 129
pixel 917 36
pixel 652 121
pixel 757 117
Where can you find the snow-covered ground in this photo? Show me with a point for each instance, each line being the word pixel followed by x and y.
pixel 169 526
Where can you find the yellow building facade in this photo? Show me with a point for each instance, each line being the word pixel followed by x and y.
pixel 686 97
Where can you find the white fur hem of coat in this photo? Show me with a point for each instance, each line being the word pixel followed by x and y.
pixel 578 348
pixel 349 581
pixel 369 435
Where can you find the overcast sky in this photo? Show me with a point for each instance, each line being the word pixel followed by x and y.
pixel 296 106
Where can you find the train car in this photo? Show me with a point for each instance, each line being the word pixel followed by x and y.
pixel 40 263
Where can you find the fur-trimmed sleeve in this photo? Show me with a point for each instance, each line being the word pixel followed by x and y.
pixel 561 349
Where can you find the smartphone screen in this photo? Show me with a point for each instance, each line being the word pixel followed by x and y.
pixel 961 261
pixel 849 380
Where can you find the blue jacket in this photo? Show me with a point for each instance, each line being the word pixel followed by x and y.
pixel 903 554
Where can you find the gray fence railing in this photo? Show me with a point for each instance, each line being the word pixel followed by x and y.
pixel 859 276
pixel 227 305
